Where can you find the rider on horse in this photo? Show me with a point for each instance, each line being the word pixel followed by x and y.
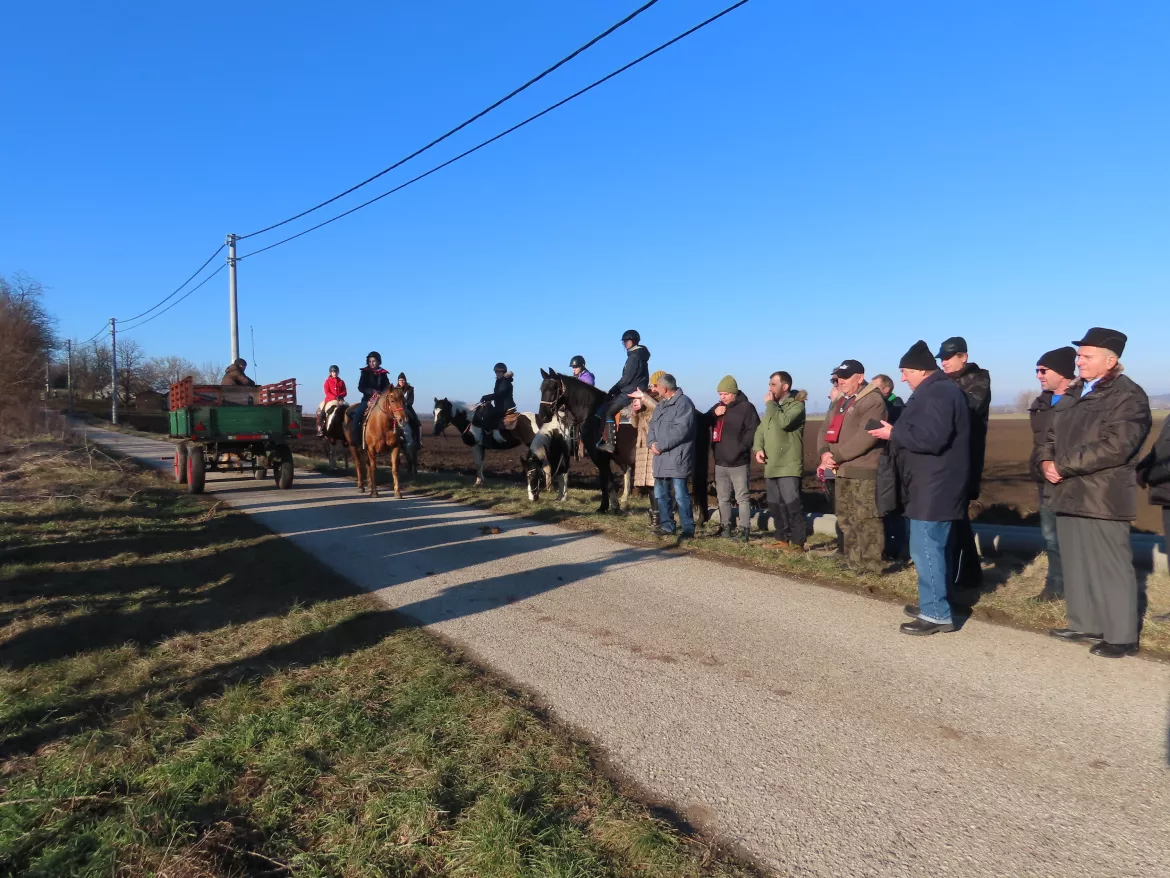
pixel 334 393
pixel 577 364
pixel 493 406
pixel 374 379
pixel 408 397
pixel 635 376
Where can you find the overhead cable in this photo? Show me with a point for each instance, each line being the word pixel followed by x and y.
pixel 174 303
pixel 177 289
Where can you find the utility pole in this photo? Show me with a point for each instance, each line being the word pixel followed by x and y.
pixel 233 306
pixel 114 368
pixel 69 372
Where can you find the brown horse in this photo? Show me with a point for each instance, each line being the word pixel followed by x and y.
pixel 385 414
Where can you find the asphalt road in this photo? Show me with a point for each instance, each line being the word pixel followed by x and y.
pixel 791 720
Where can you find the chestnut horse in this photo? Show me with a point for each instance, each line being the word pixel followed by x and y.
pixel 385 415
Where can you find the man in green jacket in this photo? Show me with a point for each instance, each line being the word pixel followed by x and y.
pixel 779 446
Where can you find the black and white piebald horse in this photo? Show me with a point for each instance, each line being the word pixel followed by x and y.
pixel 548 460
pixel 581 401
pixel 450 413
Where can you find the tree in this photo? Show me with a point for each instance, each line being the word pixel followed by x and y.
pixel 27 340
pixel 209 372
pixel 131 358
pixel 1024 400
pixel 161 372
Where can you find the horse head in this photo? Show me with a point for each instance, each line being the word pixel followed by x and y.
pixel 552 392
pixel 443 412
pixel 394 402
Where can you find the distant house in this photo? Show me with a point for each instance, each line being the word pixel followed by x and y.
pixel 151 401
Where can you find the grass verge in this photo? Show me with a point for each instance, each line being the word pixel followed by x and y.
pixel 182 693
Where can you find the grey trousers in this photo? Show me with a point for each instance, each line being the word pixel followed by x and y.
pixel 1054 581
pixel 1100 586
pixel 728 480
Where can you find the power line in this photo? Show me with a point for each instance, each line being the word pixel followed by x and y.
pixel 601 36
pixel 174 303
pixel 505 133
pixel 180 287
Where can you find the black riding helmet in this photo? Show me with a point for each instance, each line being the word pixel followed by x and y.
pixel 499 367
pixel 377 356
pixel 578 362
pixel 334 368
pixel 631 335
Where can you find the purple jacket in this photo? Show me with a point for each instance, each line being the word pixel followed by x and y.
pixel 587 377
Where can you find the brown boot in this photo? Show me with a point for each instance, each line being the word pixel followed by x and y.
pixel 794 549
pixel 778 545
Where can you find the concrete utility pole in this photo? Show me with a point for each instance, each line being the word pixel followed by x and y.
pixel 114 368
pixel 233 306
pixel 69 372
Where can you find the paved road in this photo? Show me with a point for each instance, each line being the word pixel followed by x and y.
pixel 789 719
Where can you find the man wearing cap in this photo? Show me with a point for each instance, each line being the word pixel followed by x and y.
pixel 930 449
pixel 976 386
pixel 1089 459
pixel 847 448
pixel 1055 371
pixel 734 422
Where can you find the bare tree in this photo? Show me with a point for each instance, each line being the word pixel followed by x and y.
pixel 161 372
pixel 209 372
pixel 27 339
pixel 1024 400
pixel 131 358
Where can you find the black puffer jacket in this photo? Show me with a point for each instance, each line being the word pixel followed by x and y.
pixel 635 373
pixel 1155 468
pixel 1040 417
pixel 739 431
pixel 373 381
pixel 1094 442
pixel 976 386
pixel 501 396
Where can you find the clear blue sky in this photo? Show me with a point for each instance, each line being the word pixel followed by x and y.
pixel 797 184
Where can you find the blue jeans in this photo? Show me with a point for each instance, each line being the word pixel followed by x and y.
pixel 1054 581
pixel 928 549
pixel 663 488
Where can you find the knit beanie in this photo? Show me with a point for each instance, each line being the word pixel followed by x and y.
pixel 654 378
pixel 402 375
pixel 1062 361
pixel 727 385
pixel 918 357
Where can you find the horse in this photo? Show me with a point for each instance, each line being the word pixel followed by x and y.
pixel 336 431
pixel 385 416
pixel 548 460
pixel 449 413
pixel 582 402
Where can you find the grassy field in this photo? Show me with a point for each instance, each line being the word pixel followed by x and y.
pixel 183 694
pixel 1010 582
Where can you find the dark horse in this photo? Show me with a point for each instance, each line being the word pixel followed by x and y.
pixel 582 401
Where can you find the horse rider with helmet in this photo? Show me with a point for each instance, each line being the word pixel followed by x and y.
pixel 408 397
pixel 493 406
pixel 374 379
pixel 335 391
pixel 577 364
pixel 635 376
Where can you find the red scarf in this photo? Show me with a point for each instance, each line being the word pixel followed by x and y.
pixel 833 434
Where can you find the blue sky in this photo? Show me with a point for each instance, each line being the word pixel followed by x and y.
pixel 797 184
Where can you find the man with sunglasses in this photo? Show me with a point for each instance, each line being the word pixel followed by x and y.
pixel 1055 371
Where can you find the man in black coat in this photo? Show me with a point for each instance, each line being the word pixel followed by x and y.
pixel 931 449
pixel 1055 371
pixel 734 420
pixel 493 406
pixel 1089 459
pixel 1153 472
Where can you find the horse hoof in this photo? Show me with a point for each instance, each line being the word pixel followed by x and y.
pixel 397 495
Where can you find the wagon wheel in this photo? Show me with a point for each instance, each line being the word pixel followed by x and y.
pixel 181 463
pixel 196 470
pixel 282 467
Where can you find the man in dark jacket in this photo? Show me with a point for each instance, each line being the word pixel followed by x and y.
pixel 493 406
pixel 635 376
pixel 1089 457
pixel 1055 371
pixel 976 385
pixel 931 450
pixel 234 375
pixel 897 537
pixel 894 403
pixel 734 429
pixel 1153 472
pixel 671 439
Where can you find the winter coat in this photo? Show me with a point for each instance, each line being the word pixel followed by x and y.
pixel 855 452
pixel 587 377
pixel 234 376
pixel 635 373
pixel 408 395
pixel 976 385
pixel 780 436
pixel 894 406
pixel 1094 441
pixel 672 429
pixel 373 381
pixel 501 396
pixel 334 389
pixel 739 429
pixel 1155 468
pixel 643 456
pixel 1040 417
pixel 931 452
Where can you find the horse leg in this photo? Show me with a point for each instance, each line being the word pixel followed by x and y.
pixel 394 469
pixel 627 485
pixel 372 463
pixel 603 483
pixel 548 475
pixel 477 453
pixel 563 490
pixel 357 468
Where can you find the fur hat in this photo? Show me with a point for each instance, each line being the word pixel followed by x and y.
pixel 654 378
pixel 727 385
pixel 1062 361
pixel 918 357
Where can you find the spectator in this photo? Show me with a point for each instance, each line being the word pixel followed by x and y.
pixel 1055 371
pixel 847 448
pixel 1153 472
pixel 827 477
pixel 672 442
pixel 644 405
pixel 976 385
pixel 894 404
pixel 931 454
pixel 1089 457
pixel 779 446
pixel 734 427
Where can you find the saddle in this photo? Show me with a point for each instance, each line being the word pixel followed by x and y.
pixel 509 420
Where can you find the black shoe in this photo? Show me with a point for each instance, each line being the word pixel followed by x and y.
pixel 686 535
pixel 608 442
pixel 1048 596
pixel 911 610
pixel 726 531
pixel 1114 650
pixel 922 627
pixel 744 535
pixel 1072 636
pixel 659 532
